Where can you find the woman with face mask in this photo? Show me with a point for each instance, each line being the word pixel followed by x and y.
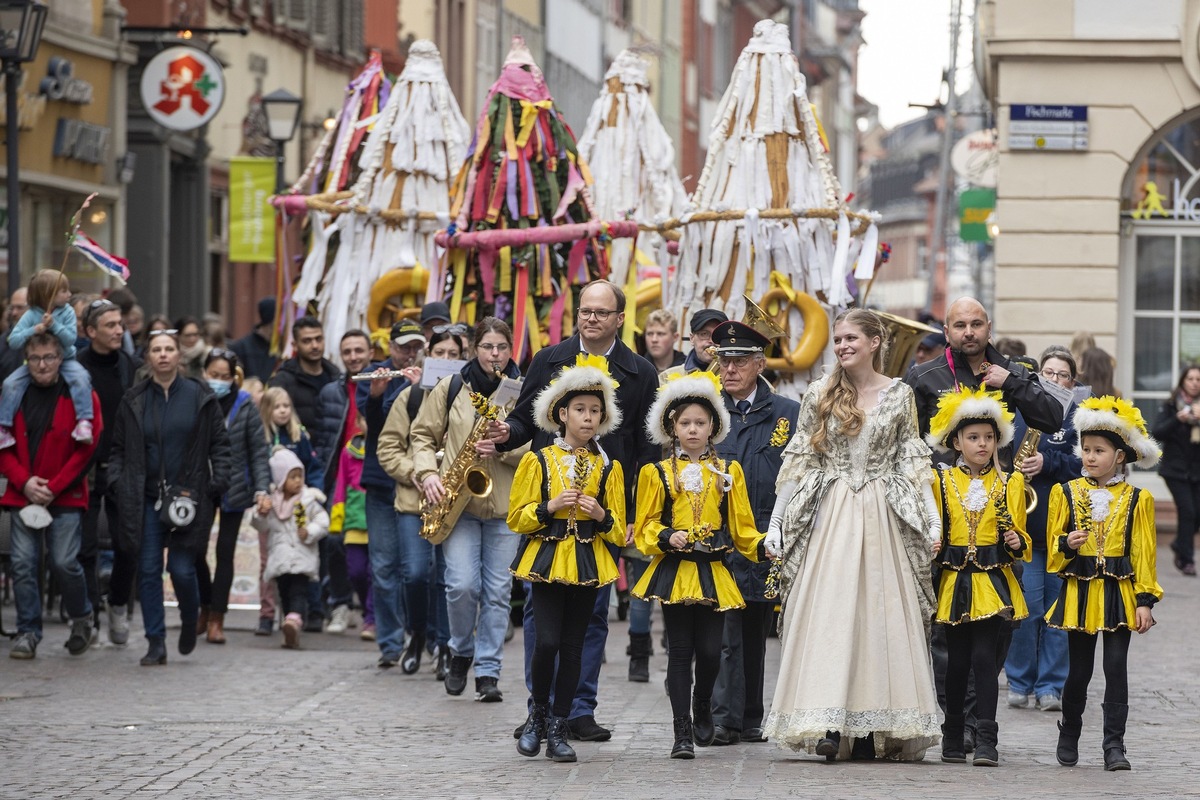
pixel 250 484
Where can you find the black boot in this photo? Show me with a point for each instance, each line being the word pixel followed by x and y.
pixel 1115 715
pixel 952 740
pixel 863 748
pixel 530 743
pixel 456 678
pixel 1068 734
pixel 442 662
pixel 683 747
pixel 187 637
pixel 410 662
pixel 639 657
pixel 702 721
pixel 830 745
pixel 986 734
pixel 157 654
pixel 557 748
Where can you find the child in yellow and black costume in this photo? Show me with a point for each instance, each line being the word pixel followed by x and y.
pixel 692 509
pixel 568 501
pixel 1101 535
pixel 983 532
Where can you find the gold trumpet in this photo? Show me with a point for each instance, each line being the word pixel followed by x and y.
pixel 1028 447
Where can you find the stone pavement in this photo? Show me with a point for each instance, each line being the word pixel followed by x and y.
pixel 252 720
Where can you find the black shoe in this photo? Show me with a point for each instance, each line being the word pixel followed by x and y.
pixel 411 662
pixel 442 664
pixel 157 654
pixel 639 652
pixel 585 729
pixel 1115 716
pixel 520 729
pixel 487 690
pixel 753 735
pixel 863 748
pixel 830 745
pixel 702 721
pixel 315 623
pixel 81 636
pixel 1069 729
pixel 985 744
pixel 952 740
pixel 557 748
pixel 388 660
pixel 456 678
pixel 265 626
pixel 725 736
pixel 187 637
pixel 684 746
pixel 968 739
pixel 534 731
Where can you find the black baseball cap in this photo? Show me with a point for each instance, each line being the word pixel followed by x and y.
pixel 705 316
pixel 433 312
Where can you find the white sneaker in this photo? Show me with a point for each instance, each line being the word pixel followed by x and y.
pixel 6 439
pixel 82 432
pixel 118 624
pixel 338 620
pixel 1017 700
pixel 1049 702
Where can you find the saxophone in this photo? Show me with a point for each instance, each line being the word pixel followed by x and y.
pixel 465 479
pixel 1028 447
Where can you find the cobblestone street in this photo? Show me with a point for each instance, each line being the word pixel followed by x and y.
pixel 252 720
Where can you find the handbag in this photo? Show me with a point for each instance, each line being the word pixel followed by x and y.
pixel 176 506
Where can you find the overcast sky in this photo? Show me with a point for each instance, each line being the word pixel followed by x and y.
pixel 907 47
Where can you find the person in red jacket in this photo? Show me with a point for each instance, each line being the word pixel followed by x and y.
pixel 47 494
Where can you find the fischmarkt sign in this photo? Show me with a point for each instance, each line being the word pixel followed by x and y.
pixel 182 88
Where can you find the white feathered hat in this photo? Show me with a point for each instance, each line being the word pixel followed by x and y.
pixel 702 387
pixel 956 409
pixel 1122 423
pixel 588 376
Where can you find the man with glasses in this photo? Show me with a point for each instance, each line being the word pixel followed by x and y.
pixel 702 325
pixel 600 317
pixel 761 424
pixel 112 371
pixel 47 494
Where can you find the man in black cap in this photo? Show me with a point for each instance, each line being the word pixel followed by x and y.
pixel 254 349
pixel 932 346
pixel 703 323
pixel 761 424
pixel 435 313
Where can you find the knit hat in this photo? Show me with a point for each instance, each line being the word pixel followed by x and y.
pixel 958 409
pixel 588 376
pixel 699 387
pixel 1121 423
pixel 282 462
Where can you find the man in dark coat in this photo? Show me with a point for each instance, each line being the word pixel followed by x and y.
pixel 761 424
pixel 601 315
pixel 305 374
pixel 254 349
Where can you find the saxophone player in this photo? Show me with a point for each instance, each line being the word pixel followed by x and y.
pixel 480 547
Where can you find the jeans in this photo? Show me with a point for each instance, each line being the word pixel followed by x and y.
pixel 478 586
pixel 79 382
pixel 416 570
pixel 89 546
pixel 386 568
pixel 639 610
pixel 340 591
pixel 584 703
pixel 1037 658
pixel 439 617
pixel 358 568
pixel 62 545
pixel 181 564
pixel 1186 495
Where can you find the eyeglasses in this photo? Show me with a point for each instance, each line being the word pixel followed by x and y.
pixel 601 314
pixel 101 303
pixel 1050 375
pixel 737 362
pixel 457 329
pixel 494 348
pixel 165 332
pixel 37 360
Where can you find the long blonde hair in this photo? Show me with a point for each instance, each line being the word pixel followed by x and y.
pixel 839 400
pixel 270 399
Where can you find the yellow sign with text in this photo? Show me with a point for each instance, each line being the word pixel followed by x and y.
pixel 251 217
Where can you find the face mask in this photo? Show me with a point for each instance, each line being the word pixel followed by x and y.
pixel 220 388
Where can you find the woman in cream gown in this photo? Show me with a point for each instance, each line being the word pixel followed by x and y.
pixel 852 525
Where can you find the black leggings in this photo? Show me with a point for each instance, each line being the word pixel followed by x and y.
pixel 214 591
pixel 293 594
pixel 1081 648
pixel 971 649
pixel 560 615
pixel 692 630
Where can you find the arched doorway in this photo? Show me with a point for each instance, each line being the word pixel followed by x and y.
pixel 1159 307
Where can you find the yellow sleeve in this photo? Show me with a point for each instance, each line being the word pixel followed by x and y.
pixel 649 505
pixel 1143 551
pixel 614 501
pixel 1058 519
pixel 1015 497
pixel 393 447
pixel 337 517
pixel 937 495
pixel 429 430
pixel 741 517
pixel 526 496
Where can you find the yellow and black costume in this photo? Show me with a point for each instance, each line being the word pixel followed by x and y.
pixel 1108 578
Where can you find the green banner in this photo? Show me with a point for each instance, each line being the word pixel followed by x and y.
pixel 251 217
pixel 975 206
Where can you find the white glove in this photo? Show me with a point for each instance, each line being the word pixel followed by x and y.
pixel 783 496
pixel 932 515
pixel 774 541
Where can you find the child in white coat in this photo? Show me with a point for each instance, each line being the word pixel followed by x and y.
pixel 296 522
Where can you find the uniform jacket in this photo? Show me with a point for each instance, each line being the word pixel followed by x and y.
pixel 749 443
pixel 60 459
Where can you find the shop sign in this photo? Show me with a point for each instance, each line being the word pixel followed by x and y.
pixel 976 158
pixel 29 106
pixel 81 141
pixel 182 88
pixel 1041 127
pixel 975 207
pixel 251 217
pixel 61 84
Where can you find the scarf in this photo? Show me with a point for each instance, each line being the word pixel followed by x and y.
pixel 484 382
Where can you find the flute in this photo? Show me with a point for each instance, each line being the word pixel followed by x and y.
pixel 377 375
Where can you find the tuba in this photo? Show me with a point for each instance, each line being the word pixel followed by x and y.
pixel 906 334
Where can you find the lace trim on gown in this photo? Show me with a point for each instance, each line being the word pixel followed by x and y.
pixel 902 734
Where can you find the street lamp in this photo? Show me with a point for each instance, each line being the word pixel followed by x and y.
pixel 21 23
pixel 283 117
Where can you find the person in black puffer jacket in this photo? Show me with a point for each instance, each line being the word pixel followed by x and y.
pixel 1178 431
pixel 169 430
pixel 250 485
